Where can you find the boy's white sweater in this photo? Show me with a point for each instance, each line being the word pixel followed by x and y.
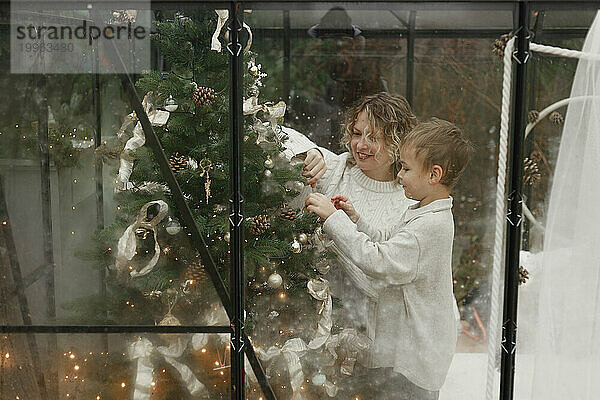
pixel 416 328
pixel 382 204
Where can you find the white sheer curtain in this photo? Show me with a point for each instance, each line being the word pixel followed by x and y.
pixel 567 341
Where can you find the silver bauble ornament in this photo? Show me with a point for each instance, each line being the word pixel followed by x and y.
pixel 170 104
pixel 275 280
pixel 319 379
pixel 296 246
pixel 172 226
pixel 268 173
pixel 298 186
pixel 269 163
pixel 303 238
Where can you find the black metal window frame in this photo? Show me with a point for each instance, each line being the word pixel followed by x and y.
pixel 233 298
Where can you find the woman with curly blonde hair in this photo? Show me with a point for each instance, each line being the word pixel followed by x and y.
pixel 372 132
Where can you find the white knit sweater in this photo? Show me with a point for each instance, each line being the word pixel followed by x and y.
pixel 380 203
pixel 415 330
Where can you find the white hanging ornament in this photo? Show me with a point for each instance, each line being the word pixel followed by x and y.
pixel 254 70
pixel 296 246
pixel 275 280
pixel 303 238
pixel 268 173
pixel 172 226
pixel 269 163
pixel 170 104
pixel 227 237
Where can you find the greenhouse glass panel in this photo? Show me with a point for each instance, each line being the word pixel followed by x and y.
pixel 314 65
pixel 106 221
pixel 558 292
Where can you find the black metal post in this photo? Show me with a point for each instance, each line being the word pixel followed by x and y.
pixel 410 57
pixel 236 217
pixel 98 176
pixel 47 242
pixel 531 105
pixel 514 215
pixel 287 52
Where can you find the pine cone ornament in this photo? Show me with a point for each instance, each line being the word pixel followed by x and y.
pixel 556 118
pixel 531 171
pixel 260 224
pixel 533 116
pixel 499 45
pixel 523 275
pixel 203 95
pixel 195 273
pixel 287 213
pixel 178 163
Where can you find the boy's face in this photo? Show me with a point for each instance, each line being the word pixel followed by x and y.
pixel 371 155
pixel 414 178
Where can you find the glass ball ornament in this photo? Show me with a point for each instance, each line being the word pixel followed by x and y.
pixel 303 238
pixel 296 246
pixel 275 280
pixel 268 173
pixel 172 226
pixel 269 163
pixel 319 379
pixel 170 104
pixel 298 186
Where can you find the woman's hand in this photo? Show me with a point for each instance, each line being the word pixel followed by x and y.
pixel 342 202
pixel 319 204
pixel 314 167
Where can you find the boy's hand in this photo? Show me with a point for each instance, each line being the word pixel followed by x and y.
pixel 342 202
pixel 319 204
pixel 314 167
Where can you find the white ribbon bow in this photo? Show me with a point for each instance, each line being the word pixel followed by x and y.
pixel 273 112
pixel 157 118
pixel 319 289
pixel 142 349
pixel 127 245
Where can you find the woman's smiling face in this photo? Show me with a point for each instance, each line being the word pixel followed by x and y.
pixel 370 154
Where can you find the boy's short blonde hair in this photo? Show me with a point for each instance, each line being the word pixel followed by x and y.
pixel 388 116
pixel 439 142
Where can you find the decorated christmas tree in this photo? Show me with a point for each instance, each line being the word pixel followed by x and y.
pixel 154 275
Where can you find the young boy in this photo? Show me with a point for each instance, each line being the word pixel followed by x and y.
pixel 416 329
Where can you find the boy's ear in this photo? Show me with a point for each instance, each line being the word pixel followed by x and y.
pixel 436 174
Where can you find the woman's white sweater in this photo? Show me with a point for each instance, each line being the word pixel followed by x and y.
pixel 380 203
